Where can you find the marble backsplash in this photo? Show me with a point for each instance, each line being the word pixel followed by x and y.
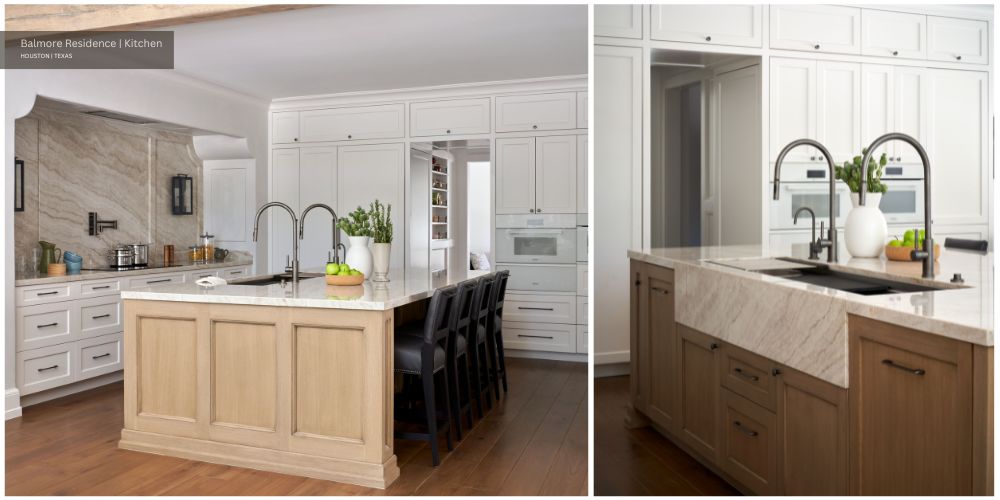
pixel 75 164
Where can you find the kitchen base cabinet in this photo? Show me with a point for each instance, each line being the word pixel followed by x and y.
pixel 657 310
pixel 698 390
pixel 747 449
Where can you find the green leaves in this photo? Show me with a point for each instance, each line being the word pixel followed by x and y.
pixel 850 173
pixel 356 223
pixel 381 222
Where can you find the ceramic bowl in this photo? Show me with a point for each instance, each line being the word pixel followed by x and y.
pixel 71 257
pixel 73 266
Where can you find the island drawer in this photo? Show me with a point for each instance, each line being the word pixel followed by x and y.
pixel 154 280
pixel 748 435
pixel 43 294
pixel 45 368
pixel 98 288
pixel 45 325
pixel 539 336
pixel 749 375
pixel 100 355
pixel 100 316
pixel 540 308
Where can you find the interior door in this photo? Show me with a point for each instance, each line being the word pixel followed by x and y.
pixel 284 189
pixel 793 107
pixel 736 151
pixel 838 109
pixel 877 101
pixel 317 184
pixel 367 173
pixel 515 191
pixel 555 174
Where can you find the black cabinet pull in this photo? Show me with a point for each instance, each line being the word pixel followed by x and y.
pixel 49 368
pixel 713 346
pixel 158 281
pixel 637 282
pixel 895 52
pixel 46 326
pixel 775 372
pixel 535 336
pixel 740 372
pixel 708 39
pixel 235 272
pixel 101 316
pixel 102 355
pixel 740 427
pixel 48 293
pixel 657 290
pixel 102 287
pixel 889 362
pixel 536 308
pixel 817 47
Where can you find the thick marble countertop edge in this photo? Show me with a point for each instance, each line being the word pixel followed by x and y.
pixel 36 278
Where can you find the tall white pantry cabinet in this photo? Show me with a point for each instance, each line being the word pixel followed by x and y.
pixel 347 150
pixel 842 75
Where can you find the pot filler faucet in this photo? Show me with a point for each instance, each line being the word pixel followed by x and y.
pixel 295 241
pixel 337 245
pixel 927 256
pixel 831 241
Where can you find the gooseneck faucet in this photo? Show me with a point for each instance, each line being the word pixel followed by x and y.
pixel 295 241
pixel 337 245
pixel 927 256
pixel 831 242
pixel 815 246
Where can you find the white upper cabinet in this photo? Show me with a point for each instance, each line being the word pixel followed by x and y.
pixel 838 109
pixel 816 28
pixel 582 110
pixel 893 34
pixel 284 189
pixel 910 108
pixel 466 116
pixel 555 174
pixel 710 24
pixel 515 189
pixel 618 20
pixel 317 184
pixel 367 173
pixel 343 124
pixel 526 113
pixel 877 103
pixel 582 197
pixel 285 127
pixel 957 40
pixel 957 143
pixel 793 107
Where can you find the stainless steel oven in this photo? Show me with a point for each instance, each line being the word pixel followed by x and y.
pixel 536 239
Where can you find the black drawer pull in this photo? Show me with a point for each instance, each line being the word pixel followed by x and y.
pixel 535 336
pixel 740 372
pixel 204 276
pixel 713 346
pixel 102 287
pixel 49 368
pixel 657 290
pixel 158 281
pixel 102 316
pixel 46 326
pixel 235 272
pixel 740 427
pixel 48 293
pixel 905 369
pixel 536 308
pixel 102 355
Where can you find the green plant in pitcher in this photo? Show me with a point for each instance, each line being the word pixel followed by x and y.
pixel 850 173
pixel 357 223
pixel 381 222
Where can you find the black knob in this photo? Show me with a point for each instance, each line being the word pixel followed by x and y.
pixel 449 131
pixel 820 158
pixel 538 210
pixel 775 372
pixel 957 278
pixel 348 137
pixel 817 47
pixel 534 126
pixel 895 53
pixel 812 158
pixel 708 39
pixel 959 58
pixel 637 282
pixel 296 139
pixel 713 346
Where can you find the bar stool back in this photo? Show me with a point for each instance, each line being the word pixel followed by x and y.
pixel 494 329
pixel 478 352
pixel 458 357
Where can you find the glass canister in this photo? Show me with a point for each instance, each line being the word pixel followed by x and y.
pixel 196 253
pixel 207 241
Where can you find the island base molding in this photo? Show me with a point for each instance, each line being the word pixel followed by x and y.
pixel 363 474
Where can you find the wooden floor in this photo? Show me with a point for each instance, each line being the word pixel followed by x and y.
pixel 641 461
pixel 534 442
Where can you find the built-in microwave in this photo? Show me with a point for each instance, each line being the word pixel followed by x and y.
pixel 536 239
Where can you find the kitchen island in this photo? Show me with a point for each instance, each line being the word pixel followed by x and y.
pixel 785 386
pixel 290 378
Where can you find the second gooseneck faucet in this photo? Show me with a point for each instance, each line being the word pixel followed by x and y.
pixel 337 245
pixel 831 241
pixel 298 229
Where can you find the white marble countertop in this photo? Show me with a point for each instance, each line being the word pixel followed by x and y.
pixel 402 288
pixel 37 278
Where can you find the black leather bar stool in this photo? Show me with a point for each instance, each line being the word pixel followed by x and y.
pixel 421 349
pixel 494 331
pixel 457 355
pixel 478 354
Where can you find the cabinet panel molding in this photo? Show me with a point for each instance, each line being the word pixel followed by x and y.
pixel 455 117
pixel 529 113
pixel 698 391
pixel 738 25
pixel 816 28
pixel 893 34
pixel 957 40
pixel 618 20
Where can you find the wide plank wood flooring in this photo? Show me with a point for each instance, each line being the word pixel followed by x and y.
pixel 641 461
pixel 533 442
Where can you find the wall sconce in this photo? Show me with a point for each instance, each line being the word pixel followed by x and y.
pixel 182 199
pixel 18 185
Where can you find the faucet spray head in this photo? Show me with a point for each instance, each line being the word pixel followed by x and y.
pixel 777 187
pixel 255 234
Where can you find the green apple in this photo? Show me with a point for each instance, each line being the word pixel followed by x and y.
pixel 355 273
pixel 908 235
pixel 922 235
pixel 895 243
pixel 332 269
pixel 345 267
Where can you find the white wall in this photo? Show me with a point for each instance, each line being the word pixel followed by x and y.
pixel 479 207
pixel 163 95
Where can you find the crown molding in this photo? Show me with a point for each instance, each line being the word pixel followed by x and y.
pixel 982 12
pixel 467 90
pixel 206 85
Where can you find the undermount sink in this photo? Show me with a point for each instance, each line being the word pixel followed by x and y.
pixel 276 279
pixel 821 275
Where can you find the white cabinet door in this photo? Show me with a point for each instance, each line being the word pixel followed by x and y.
pixel 582 110
pixel 893 34
pixel 367 173
pixel 285 127
pixel 816 28
pixel 466 116
pixel 284 189
pixel 582 195
pixel 45 368
pixel 910 110
pixel 957 141
pixel 317 184
pixel 618 20
pixel 710 24
pixel 527 113
pixel 838 109
pixel 793 107
pixel 343 124
pixel 957 40
pixel 582 344
pixel 877 101
pixel 515 191
pixel 555 174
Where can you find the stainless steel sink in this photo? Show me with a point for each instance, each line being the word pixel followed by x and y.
pixel 822 275
pixel 275 279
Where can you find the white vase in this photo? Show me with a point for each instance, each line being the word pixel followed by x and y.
pixel 359 256
pixel 381 251
pixel 865 230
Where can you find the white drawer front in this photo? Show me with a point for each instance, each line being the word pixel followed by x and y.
pixel 235 273
pixel 816 28
pixel 466 116
pixel 100 355
pixel 539 336
pixel 581 244
pixel 346 124
pixel 536 112
pixel 957 40
pixel 99 288
pixel 582 310
pixel 582 274
pixel 45 325
pixel 539 308
pixel 893 34
pixel 101 316
pixel 709 24
pixel 582 343
pixel 45 368
pixel 201 273
pixel 43 294
pixel 540 278
pixel 154 280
